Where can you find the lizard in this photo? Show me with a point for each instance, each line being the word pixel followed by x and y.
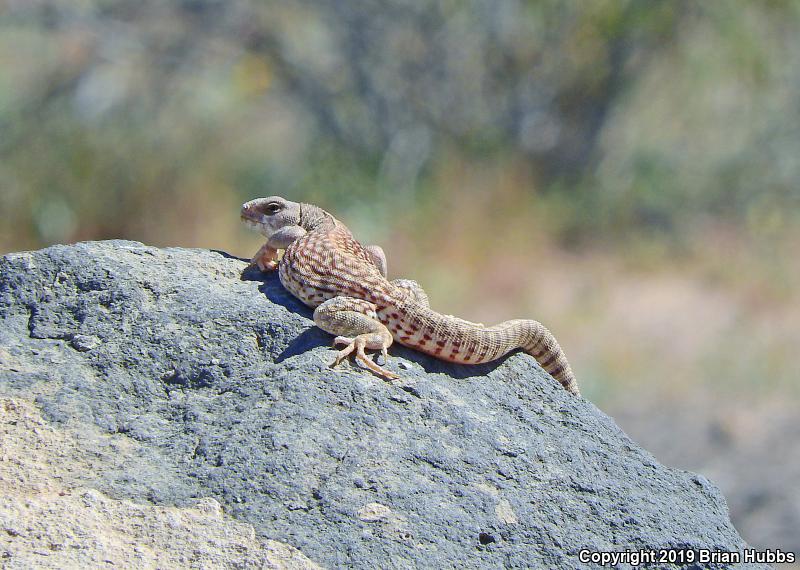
pixel 345 282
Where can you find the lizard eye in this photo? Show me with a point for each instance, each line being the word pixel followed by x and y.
pixel 272 208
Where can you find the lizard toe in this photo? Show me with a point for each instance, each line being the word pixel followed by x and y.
pixel 342 354
pixel 363 359
pixel 358 344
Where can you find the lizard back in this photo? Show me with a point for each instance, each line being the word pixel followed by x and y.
pixel 328 262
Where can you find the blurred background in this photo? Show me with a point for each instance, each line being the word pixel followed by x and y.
pixel 627 172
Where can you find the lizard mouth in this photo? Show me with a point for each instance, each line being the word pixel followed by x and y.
pixel 250 219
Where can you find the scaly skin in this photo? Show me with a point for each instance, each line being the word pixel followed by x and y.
pixel 327 269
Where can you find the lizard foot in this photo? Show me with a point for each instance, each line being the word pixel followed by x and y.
pixel 358 344
pixel 266 258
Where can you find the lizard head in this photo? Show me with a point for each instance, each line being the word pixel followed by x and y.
pixel 268 215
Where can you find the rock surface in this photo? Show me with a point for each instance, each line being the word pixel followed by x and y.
pixel 170 383
pixel 49 524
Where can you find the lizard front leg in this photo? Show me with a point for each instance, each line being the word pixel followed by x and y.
pixel 266 258
pixel 355 323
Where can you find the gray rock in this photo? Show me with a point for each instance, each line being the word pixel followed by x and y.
pixel 222 382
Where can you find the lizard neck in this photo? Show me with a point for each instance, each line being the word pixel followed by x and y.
pixel 313 218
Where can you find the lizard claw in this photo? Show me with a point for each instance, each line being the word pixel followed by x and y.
pixel 358 344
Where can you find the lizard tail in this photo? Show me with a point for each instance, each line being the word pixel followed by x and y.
pixel 543 346
pixel 456 340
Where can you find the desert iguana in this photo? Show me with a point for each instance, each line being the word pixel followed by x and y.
pixel 326 268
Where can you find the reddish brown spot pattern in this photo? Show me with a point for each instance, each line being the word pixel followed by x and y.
pixel 395 316
pixel 438 351
pixel 404 338
pixel 426 336
pixel 440 343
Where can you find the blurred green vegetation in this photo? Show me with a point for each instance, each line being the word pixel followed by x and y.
pixel 150 119
pixel 659 137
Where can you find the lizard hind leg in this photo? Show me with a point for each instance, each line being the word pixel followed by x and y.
pixel 356 325
pixel 414 289
pixel 420 296
pixel 378 257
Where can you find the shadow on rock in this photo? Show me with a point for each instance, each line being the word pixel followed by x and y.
pixel 272 288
